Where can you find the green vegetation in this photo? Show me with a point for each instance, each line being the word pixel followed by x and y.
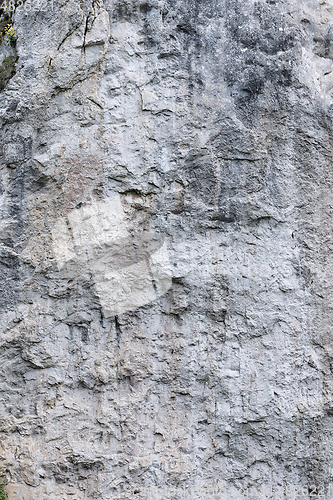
pixel 4 20
pixel 8 36
pixel 10 33
pixel 3 494
pixel 7 71
pixel 3 481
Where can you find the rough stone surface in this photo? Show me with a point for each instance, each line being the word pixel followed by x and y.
pixel 211 124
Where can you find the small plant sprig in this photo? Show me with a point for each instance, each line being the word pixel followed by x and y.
pixel 3 493
pixel 3 482
pixel 9 34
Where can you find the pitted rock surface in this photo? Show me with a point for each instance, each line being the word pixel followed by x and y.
pixel 181 337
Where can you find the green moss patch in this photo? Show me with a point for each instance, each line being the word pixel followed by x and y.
pixel 3 482
pixel 7 71
pixel 3 494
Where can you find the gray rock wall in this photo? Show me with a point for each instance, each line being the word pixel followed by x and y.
pixel 166 250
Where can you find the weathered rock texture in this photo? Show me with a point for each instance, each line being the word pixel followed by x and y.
pixel 211 122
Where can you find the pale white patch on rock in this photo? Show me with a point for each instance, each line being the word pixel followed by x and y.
pixel 124 279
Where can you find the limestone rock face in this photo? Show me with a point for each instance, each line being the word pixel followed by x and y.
pixel 166 265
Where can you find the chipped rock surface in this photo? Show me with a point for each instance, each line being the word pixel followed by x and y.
pixel 166 266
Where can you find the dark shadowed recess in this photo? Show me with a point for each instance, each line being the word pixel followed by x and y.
pixel 23 179
pixel 260 47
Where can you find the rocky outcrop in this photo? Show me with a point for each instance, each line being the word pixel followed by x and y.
pixel 165 253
